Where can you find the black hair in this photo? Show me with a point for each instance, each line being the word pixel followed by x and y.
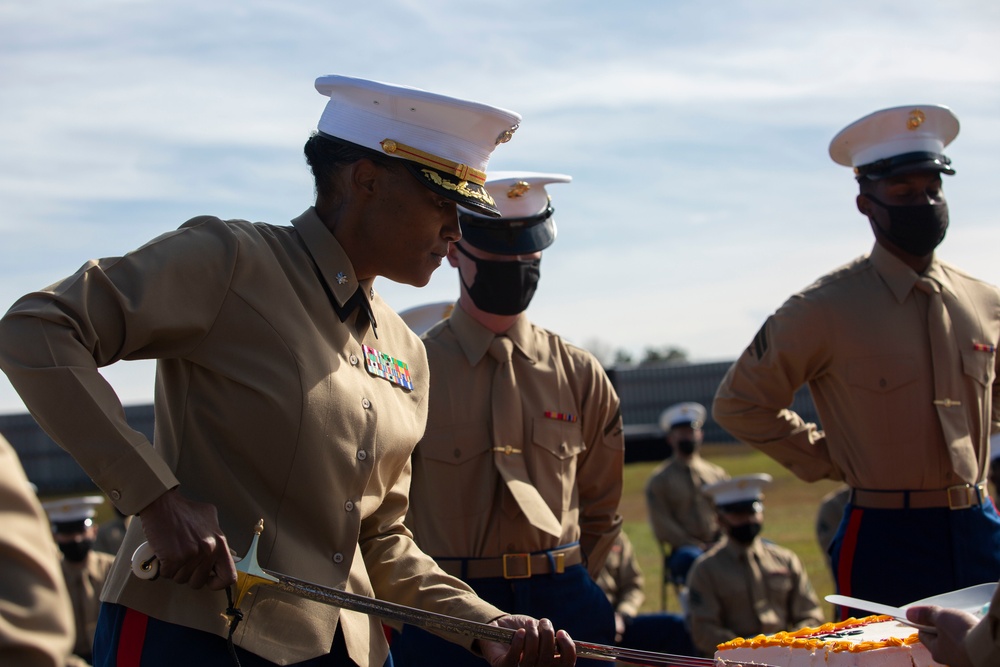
pixel 326 155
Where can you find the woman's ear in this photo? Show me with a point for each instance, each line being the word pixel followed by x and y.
pixel 364 175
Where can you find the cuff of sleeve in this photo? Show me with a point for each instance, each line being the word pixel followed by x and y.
pixel 983 642
pixel 134 481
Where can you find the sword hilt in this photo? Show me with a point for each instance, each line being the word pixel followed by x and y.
pixel 249 573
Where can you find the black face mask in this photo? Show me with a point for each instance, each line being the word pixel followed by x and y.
pixel 916 229
pixel 503 287
pixel 686 447
pixel 745 533
pixel 76 552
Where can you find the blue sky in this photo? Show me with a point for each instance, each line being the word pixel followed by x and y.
pixel 696 133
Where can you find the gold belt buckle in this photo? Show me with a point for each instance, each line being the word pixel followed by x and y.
pixel 527 566
pixel 560 561
pixel 960 497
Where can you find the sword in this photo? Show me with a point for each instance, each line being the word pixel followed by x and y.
pixel 250 574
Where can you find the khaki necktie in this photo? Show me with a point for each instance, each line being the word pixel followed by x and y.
pixel 508 437
pixel 948 385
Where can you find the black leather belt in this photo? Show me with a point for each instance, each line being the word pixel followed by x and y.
pixel 514 566
pixel 960 497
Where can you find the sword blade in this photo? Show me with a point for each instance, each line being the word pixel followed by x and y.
pixel 429 620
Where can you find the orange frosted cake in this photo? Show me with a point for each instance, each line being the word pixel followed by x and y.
pixel 873 641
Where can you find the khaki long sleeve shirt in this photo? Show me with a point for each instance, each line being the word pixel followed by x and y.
pixel 858 337
pixel 36 619
pixel 680 513
pixel 725 602
pixel 459 504
pixel 265 407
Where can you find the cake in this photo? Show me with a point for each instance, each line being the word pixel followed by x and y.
pixel 873 641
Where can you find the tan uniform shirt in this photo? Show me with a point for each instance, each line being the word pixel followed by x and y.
pixel 36 620
pixel 983 642
pixel 680 513
pixel 84 580
pixel 737 591
pixel 459 505
pixel 621 579
pixel 264 407
pixel 859 338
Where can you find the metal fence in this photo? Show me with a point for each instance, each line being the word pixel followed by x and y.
pixel 645 391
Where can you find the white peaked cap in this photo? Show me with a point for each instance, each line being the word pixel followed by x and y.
pixel 899 139
pixel 446 142
pixel 683 413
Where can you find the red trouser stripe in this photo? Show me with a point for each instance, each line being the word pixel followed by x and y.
pixel 846 560
pixel 131 638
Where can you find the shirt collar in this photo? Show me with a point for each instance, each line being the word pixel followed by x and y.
pixel 900 278
pixel 475 339
pixel 739 550
pixel 331 258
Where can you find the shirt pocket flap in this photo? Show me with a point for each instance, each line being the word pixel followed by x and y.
pixel 562 439
pixel 882 374
pixel 979 365
pixel 455 445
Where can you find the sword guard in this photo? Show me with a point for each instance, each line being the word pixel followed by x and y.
pixel 248 572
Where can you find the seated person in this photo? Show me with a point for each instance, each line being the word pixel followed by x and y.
pixel 746 586
pixel 680 514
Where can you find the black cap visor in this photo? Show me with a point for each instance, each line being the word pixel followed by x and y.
pixel 509 236
pixel 71 527
pixel 906 163
pixel 743 507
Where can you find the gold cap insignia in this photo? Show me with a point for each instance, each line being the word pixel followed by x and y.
pixel 507 135
pixel 518 189
pixel 915 120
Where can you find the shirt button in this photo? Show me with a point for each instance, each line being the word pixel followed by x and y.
pixel 365 403
pixel 115 494
pixel 338 558
pixel 362 455
pixel 354 360
pixel 348 506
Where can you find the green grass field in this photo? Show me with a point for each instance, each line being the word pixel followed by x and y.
pixel 789 517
